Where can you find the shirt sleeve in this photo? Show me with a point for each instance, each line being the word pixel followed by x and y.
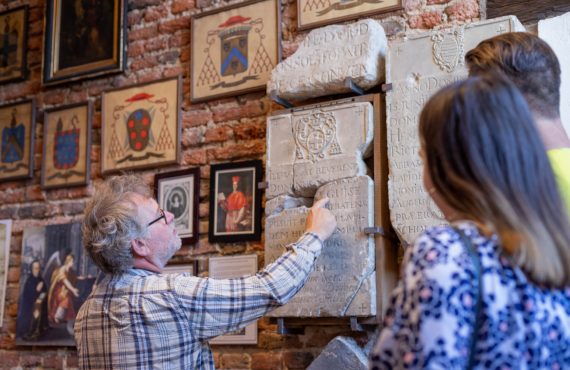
pixel 430 319
pixel 218 306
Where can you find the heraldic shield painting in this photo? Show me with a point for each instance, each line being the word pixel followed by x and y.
pixel 56 278
pixel 234 49
pixel 13 40
pixel 67 141
pixel 17 130
pixel 316 13
pixel 141 126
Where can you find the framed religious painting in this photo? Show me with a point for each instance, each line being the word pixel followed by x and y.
pixel 141 126
pixel 5 235
pixel 317 13
pixel 180 268
pixel 13 44
pixel 235 202
pixel 234 49
pixel 178 192
pixel 17 124
pixel 83 38
pixel 57 276
pixel 228 268
pixel 67 145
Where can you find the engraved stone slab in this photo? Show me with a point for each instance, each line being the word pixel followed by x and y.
pixel 343 282
pixel 309 148
pixel 327 57
pixel 417 68
pixel 278 204
pixel 556 32
pixel 341 353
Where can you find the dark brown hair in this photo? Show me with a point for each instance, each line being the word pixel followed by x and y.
pixel 528 62
pixel 486 160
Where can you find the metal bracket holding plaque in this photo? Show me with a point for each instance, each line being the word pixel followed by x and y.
pixel 386 87
pixel 349 82
pixel 277 99
pixel 262 185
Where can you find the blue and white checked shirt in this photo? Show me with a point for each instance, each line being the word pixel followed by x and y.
pixel 145 320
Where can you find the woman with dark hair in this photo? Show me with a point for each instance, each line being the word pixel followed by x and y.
pixel 492 290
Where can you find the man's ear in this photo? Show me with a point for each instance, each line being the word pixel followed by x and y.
pixel 140 248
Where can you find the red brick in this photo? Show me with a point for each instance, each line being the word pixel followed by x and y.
pixel 250 129
pixel 204 3
pixel 155 13
pixel 35 28
pixel 55 362
pixel 35 43
pixel 54 97
pixel 235 361
pixel 34 192
pixel 35 15
pixel 185 55
pixel 269 340
pixel 266 361
pixel 13 275
pixel 77 97
pixel 72 360
pixel 196 117
pixel 176 24
pixel 240 150
pixel 426 20
pixel 169 57
pixel 179 6
pixel 145 63
pixel 297 360
pixel 12 309
pixel 249 109
pixel 172 71
pixel 136 48
pixel 142 4
pixel 143 33
pixel 217 134
pixel 30 360
pixel 463 11
pixel 134 17
pixel 9 212
pixel 9 359
pixel 195 157
pixel 204 210
pixel 155 44
pixel 217 359
pixel 72 208
pixel 202 247
pixel 179 39
pixel 191 136
pixel 13 195
pixel 149 76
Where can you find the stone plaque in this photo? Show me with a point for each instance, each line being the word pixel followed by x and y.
pixel 556 32
pixel 328 57
pixel 417 67
pixel 278 204
pixel 343 282
pixel 309 148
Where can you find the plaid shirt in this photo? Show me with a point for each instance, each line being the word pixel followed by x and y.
pixel 145 320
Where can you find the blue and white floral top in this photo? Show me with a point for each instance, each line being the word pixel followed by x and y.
pixel 430 320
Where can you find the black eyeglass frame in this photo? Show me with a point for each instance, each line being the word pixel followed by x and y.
pixel 162 215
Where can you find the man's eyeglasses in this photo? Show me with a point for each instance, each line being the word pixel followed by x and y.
pixel 162 215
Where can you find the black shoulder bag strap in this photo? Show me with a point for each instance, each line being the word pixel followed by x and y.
pixel 466 242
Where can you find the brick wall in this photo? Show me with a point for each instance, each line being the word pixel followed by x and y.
pixel 217 131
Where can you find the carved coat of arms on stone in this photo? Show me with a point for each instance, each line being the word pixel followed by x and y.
pixel 448 49
pixel 315 136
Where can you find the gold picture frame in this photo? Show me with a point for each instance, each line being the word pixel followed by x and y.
pixel 13 44
pixel 83 41
pixel 141 125
pixel 317 13
pixel 234 49
pixel 67 145
pixel 17 127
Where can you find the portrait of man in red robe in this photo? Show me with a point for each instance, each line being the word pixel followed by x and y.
pixel 236 207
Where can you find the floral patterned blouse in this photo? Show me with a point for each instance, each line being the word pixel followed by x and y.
pixel 430 320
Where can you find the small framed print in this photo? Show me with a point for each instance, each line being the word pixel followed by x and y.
pixel 179 193
pixel 67 144
pixel 83 39
pixel 235 202
pixel 191 268
pixel 5 236
pixel 13 42
pixel 317 13
pixel 17 126
pixel 228 268
pixel 141 126
pixel 234 49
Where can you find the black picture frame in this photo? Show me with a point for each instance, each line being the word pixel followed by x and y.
pixel 90 42
pixel 183 188
pixel 245 197
pixel 13 44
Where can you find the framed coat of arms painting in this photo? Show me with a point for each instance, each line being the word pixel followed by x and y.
pixel 17 124
pixel 13 42
pixel 67 143
pixel 141 126
pixel 234 49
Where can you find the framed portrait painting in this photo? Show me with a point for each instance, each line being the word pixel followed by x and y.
pixel 5 235
pixel 235 202
pixel 56 277
pixel 67 144
pixel 83 38
pixel 13 44
pixel 234 49
pixel 141 126
pixel 228 268
pixel 317 13
pixel 179 193
pixel 17 126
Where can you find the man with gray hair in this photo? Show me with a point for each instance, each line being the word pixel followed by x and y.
pixel 139 318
